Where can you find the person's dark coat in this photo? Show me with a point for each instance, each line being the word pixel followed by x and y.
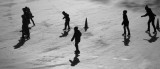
pixel 77 36
pixel 125 20
pixel 149 13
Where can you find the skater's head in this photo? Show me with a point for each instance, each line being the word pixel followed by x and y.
pixel 146 7
pixel 63 12
pixel 27 8
pixel 124 11
pixel 23 9
pixel 75 28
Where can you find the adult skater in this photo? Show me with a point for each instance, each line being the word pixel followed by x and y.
pixel 125 23
pixel 77 37
pixel 25 23
pixel 67 20
pixel 151 19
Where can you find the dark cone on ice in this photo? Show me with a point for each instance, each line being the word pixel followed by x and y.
pixel 86 25
pixel 157 26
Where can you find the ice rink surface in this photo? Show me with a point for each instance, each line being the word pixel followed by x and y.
pixel 102 46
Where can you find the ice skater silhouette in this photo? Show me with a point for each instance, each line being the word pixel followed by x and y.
pixel 77 37
pixel 151 19
pixel 125 23
pixel 67 20
pixel 25 23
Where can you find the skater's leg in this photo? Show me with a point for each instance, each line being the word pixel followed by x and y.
pixel 33 22
pixel 65 26
pixel 149 21
pixel 124 28
pixel 28 34
pixel 76 45
pixel 154 26
pixel 68 25
pixel 22 34
pixel 23 31
pixel 128 30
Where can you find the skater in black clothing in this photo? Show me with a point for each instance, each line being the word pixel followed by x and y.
pixel 25 23
pixel 29 14
pixel 125 23
pixel 77 37
pixel 151 19
pixel 67 20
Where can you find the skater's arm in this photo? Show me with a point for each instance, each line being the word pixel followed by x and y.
pixel 73 37
pixel 122 23
pixel 154 14
pixel 32 21
pixel 63 17
pixel 144 15
pixel 124 18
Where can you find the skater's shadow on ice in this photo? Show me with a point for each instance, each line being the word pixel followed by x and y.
pixel 153 38
pixel 20 43
pixel 126 40
pixel 65 33
pixel 75 61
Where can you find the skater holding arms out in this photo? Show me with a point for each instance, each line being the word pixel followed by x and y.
pixel 151 19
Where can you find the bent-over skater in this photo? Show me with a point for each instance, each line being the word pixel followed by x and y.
pixel 151 19
pixel 67 20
